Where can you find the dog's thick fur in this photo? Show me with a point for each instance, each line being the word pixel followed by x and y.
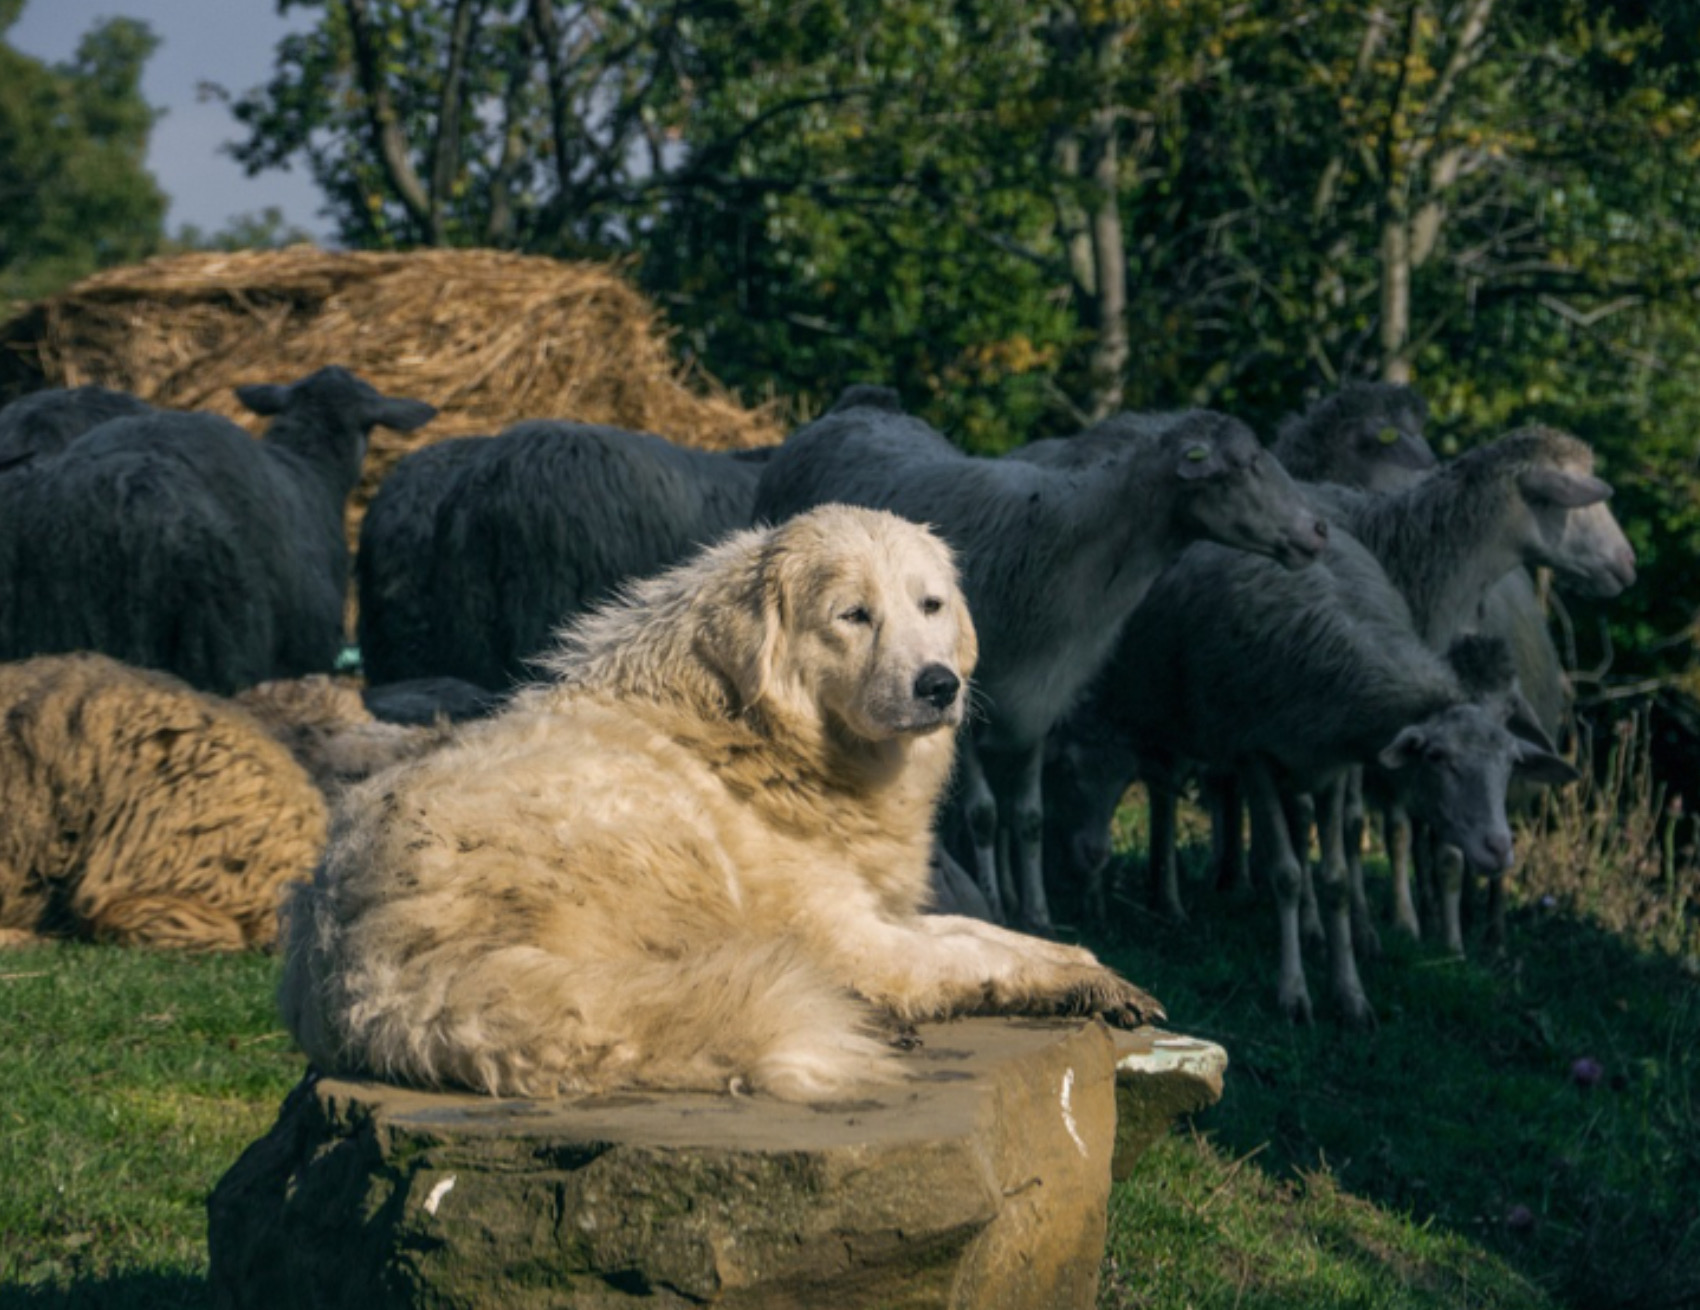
pixel 697 859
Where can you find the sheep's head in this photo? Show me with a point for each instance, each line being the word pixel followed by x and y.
pixel 1237 493
pixel 1367 435
pixel 1555 508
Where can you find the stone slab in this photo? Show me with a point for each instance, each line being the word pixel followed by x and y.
pixel 981 1182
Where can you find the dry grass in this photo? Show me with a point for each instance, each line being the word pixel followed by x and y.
pixel 1614 851
pixel 486 336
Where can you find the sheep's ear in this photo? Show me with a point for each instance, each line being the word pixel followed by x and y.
pixel 1525 724
pixel 399 415
pixel 1200 459
pixel 264 398
pixel 1543 486
pixel 1537 764
pixel 1403 749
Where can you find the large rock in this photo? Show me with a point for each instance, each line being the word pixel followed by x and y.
pixel 982 1182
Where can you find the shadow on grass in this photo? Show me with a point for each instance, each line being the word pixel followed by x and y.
pixel 128 1291
pixel 1466 1106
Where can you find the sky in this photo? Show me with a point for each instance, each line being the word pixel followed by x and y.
pixel 225 41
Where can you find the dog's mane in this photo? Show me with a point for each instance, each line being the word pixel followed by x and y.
pixel 666 641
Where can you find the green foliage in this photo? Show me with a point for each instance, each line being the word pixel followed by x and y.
pixel 74 193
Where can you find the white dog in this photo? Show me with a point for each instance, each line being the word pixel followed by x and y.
pixel 696 860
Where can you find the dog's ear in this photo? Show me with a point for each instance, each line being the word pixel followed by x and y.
pixel 776 607
pixel 967 639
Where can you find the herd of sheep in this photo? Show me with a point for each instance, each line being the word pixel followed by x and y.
pixel 1308 628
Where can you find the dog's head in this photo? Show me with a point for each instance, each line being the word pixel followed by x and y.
pixel 862 626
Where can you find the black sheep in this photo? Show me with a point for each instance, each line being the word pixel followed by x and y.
pixel 176 541
pixel 526 530
pixel 45 422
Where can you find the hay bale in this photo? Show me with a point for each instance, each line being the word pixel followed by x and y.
pixel 486 336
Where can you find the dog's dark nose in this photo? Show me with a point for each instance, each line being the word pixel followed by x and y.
pixel 937 686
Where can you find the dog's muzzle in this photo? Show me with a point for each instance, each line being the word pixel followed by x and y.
pixel 937 686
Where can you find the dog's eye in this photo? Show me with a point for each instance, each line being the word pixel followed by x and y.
pixel 857 614
pixel 931 605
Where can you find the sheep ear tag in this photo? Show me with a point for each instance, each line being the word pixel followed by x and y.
pixel 1200 461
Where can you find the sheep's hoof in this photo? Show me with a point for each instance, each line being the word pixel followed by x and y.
pixel 1357 1013
pixel 1296 1006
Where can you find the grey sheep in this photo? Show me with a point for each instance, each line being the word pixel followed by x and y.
pixel 1367 435
pixel 176 541
pixel 45 422
pixel 1293 678
pixel 525 531
pixel 1054 557
pixel 1458 543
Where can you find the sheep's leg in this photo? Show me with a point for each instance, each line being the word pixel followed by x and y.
pixel 1396 833
pixel 1428 878
pixel 1227 835
pixel 1334 874
pixel 1364 936
pixel 1449 867
pixel 1300 813
pixel 1272 852
pixel 1496 939
pixel 1006 874
pixel 1029 840
pixel 980 808
pixel 1165 887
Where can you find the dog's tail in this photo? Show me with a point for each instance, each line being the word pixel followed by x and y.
pixel 520 1021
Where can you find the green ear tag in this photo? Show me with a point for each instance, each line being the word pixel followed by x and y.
pixel 1197 453
pixel 1387 436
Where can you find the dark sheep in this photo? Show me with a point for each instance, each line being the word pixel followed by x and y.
pixel 45 422
pixel 1367 435
pixel 1454 545
pixel 392 566
pixel 421 702
pixel 1293 678
pixel 1055 549
pixel 178 542
pixel 526 530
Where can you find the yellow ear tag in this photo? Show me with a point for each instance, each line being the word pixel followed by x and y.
pixel 1387 436
pixel 1198 453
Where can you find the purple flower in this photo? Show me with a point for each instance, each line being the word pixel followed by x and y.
pixel 1587 1071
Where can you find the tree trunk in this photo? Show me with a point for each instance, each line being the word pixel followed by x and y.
pixel 1109 254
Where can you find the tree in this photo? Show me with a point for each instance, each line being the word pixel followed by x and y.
pixel 75 194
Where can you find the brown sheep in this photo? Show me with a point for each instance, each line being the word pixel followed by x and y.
pixel 141 812
pixel 328 729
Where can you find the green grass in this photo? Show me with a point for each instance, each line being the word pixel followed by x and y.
pixel 131 1081
pixel 1447 1159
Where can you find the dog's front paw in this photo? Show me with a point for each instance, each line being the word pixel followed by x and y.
pixel 1115 999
